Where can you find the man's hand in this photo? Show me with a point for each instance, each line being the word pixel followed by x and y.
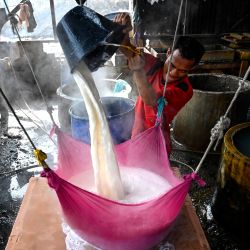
pixel 124 19
pixel 136 63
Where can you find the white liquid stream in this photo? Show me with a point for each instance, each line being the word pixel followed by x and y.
pixel 106 171
pixel 136 184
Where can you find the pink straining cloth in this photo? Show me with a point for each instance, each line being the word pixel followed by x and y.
pixel 109 224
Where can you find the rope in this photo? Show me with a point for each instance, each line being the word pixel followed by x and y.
pixel 8 60
pixel 49 109
pixel 182 163
pixel 161 103
pixel 173 44
pixel 26 104
pixel 224 121
pixel 217 130
pixel 16 171
pixel 14 113
pixel 39 154
pixel 185 18
pixel 170 61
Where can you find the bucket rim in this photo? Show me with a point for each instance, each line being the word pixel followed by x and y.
pixel 229 92
pixel 228 140
pixel 107 116
pixel 215 92
pixel 128 86
pixel 60 93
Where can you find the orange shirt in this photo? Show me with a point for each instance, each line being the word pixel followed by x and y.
pixel 177 95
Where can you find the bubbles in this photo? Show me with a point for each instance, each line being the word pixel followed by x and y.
pixel 139 184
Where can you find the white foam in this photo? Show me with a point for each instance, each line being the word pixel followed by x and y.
pixel 140 185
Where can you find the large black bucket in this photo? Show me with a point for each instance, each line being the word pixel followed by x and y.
pixel 212 96
pixel 82 34
pixel 231 201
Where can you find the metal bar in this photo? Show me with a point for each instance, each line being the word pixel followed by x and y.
pixel 14 113
pixel 53 18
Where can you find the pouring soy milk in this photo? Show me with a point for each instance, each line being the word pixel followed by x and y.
pixel 106 172
pixel 130 185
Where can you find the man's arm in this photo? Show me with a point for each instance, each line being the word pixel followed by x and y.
pixel 136 63
pixel 146 91
pixel 124 19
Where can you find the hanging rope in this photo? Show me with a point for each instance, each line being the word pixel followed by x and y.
pixel 17 82
pixel 185 18
pixel 49 109
pixel 39 154
pixel 8 60
pixel 173 44
pixel 162 101
pixel 224 121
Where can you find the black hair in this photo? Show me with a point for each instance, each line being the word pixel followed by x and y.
pixel 190 48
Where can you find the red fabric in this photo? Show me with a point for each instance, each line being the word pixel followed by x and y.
pixel 145 116
pixel 114 225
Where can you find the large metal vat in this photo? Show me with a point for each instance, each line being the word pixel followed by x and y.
pixel 212 96
pixel 231 201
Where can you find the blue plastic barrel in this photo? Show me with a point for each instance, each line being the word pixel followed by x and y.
pixel 119 113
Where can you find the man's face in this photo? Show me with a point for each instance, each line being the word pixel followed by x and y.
pixel 179 67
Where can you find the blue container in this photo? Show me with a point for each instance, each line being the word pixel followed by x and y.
pixel 119 113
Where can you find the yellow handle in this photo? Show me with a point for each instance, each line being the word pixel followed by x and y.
pixel 41 157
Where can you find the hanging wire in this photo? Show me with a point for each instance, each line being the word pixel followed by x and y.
pixel 8 61
pixel 49 109
pixel 30 119
pixel 173 44
pixel 17 82
pixel 185 18
pixel 14 113
pixel 39 154
pixel 182 163
pixel 162 101
pixel 16 171
pixel 217 130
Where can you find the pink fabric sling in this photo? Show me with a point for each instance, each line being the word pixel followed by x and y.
pixel 109 224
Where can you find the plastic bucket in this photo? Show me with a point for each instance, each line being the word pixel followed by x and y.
pixel 212 96
pixel 119 113
pixel 231 201
pixel 70 94
pixel 82 33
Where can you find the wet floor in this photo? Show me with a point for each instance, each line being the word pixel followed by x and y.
pixel 17 165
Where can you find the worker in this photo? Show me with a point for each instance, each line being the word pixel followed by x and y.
pixel 149 74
